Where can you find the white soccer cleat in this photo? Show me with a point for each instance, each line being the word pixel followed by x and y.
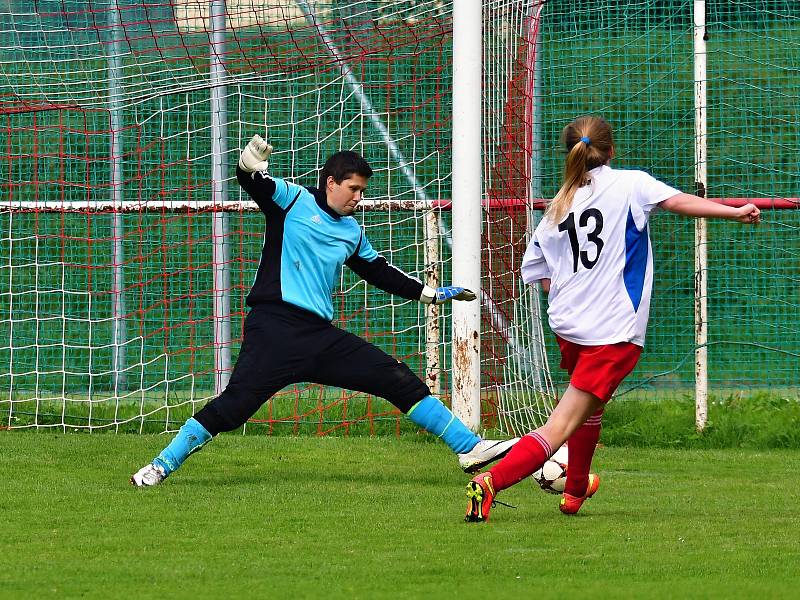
pixel 148 475
pixel 485 452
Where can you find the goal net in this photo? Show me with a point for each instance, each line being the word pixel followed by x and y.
pixel 634 62
pixel 128 249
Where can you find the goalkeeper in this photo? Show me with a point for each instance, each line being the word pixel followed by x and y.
pixel 288 335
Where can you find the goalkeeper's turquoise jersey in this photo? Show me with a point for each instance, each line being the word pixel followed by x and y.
pixel 305 245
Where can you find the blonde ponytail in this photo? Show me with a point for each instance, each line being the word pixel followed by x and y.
pixel 589 144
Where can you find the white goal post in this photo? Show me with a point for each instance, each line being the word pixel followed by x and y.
pixel 467 195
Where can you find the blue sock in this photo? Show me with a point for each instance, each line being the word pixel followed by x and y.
pixel 190 438
pixel 434 416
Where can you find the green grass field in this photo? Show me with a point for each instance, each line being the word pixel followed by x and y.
pixel 382 517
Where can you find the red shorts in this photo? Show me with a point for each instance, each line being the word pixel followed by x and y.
pixel 598 369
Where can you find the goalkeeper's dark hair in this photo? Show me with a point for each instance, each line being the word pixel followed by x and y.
pixel 343 164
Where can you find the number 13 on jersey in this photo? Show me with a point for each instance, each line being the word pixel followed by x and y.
pixel 592 236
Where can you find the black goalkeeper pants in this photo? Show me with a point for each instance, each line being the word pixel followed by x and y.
pixel 284 345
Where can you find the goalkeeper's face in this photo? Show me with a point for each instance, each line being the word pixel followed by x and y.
pixel 344 197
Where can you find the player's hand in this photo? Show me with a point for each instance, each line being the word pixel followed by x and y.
pixel 255 154
pixel 445 294
pixel 749 214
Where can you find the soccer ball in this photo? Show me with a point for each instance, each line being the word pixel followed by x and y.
pixel 552 477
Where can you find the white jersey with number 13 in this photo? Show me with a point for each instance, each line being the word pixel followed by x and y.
pixel 599 259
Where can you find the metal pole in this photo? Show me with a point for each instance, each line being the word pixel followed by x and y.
pixel 119 326
pixel 433 367
pixel 701 233
pixel 219 176
pixel 467 191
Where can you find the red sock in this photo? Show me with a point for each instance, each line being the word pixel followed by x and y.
pixel 581 448
pixel 525 457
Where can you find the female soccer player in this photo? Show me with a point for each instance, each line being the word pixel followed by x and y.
pixel 288 335
pixel 591 252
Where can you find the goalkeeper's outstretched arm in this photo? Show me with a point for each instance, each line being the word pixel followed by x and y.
pixel 382 275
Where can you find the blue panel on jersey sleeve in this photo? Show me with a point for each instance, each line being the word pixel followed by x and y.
pixel 366 251
pixel 635 260
pixel 285 192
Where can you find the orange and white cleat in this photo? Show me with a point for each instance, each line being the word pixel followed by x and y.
pixel 571 504
pixel 480 494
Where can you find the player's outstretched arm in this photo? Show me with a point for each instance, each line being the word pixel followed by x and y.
pixel 255 155
pixel 695 206
pixel 445 294
pixel 375 270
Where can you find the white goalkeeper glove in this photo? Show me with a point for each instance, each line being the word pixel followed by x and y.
pixel 255 154
pixel 443 294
